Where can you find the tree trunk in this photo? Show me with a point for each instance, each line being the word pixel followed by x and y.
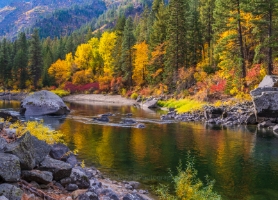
pixel 269 53
pixel 243 67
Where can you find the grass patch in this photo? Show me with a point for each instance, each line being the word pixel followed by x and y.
pixel 60 92
pixel 183 105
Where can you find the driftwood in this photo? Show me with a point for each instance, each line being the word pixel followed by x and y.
pixel 26 186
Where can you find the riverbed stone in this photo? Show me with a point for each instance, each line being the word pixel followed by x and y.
pixel 3 198
pixel 23 149
pixel 43 103
pixel 88 196
pixel 80 178
pixel 251 119
pixel 59 152
pixel 109 194
pixel 59 168
pixel 9 167
pixel 38 176
pixel 150 103
pixel 134 184
pixel 266 124
pixel 133 196
pixel 71 187
pixel 10 191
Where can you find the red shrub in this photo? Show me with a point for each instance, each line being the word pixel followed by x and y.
pixel 90 87
pixel 219 86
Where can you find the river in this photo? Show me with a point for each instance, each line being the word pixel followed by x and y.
pixel 243 161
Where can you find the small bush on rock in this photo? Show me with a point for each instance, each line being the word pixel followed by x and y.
pixel 38 129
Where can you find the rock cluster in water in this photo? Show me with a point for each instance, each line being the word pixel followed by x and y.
pixel 30 168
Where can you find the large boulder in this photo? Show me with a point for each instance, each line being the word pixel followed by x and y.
pixel 23 149
pixel 265 98
pixel 43 177
pixel 9 167
pixel 43 103
pixel 150 103
pixel 10 191
pixel 59 168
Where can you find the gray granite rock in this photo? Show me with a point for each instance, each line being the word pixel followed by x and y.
pixel 59 168
pixel 38 176
pixel 9 167
pixel 23 149
pixel 11 192
pixel 43 103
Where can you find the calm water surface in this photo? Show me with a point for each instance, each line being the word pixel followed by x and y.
pixel 243 162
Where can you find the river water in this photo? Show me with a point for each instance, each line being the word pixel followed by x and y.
pixel 243 161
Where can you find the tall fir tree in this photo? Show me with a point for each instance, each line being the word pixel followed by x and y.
pixel 35 59
pixel 266 12
pixel 21 60
pixel 158 34
pixel 127 51
pixel 176 41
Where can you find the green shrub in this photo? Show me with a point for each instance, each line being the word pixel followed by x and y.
pixel 183 105
pixel 134 95
pixel 187 186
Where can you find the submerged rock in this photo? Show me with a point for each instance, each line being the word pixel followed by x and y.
pixel 43 103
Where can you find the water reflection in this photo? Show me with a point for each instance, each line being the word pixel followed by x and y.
pixel 242 159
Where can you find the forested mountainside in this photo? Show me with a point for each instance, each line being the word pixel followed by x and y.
pixel 64 22
pixel 184 47
pixel 19 15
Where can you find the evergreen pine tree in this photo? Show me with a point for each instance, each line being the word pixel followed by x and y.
pixel 35 59
pixel 176 42
pixel 21 60
pixel 266 11
pixel 126 55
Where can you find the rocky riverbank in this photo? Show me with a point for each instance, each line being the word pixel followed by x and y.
pixel 33 169
pixel 12 96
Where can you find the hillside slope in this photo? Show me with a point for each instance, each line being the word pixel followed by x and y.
pixel 21 15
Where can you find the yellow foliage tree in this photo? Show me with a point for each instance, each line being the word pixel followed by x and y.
pixel 106 45
pixel 83 56
pixel 97 61
pixel 82 77
pixel 60 70
pixel 140 63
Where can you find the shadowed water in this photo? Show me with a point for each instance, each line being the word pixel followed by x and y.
pixel 243 161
